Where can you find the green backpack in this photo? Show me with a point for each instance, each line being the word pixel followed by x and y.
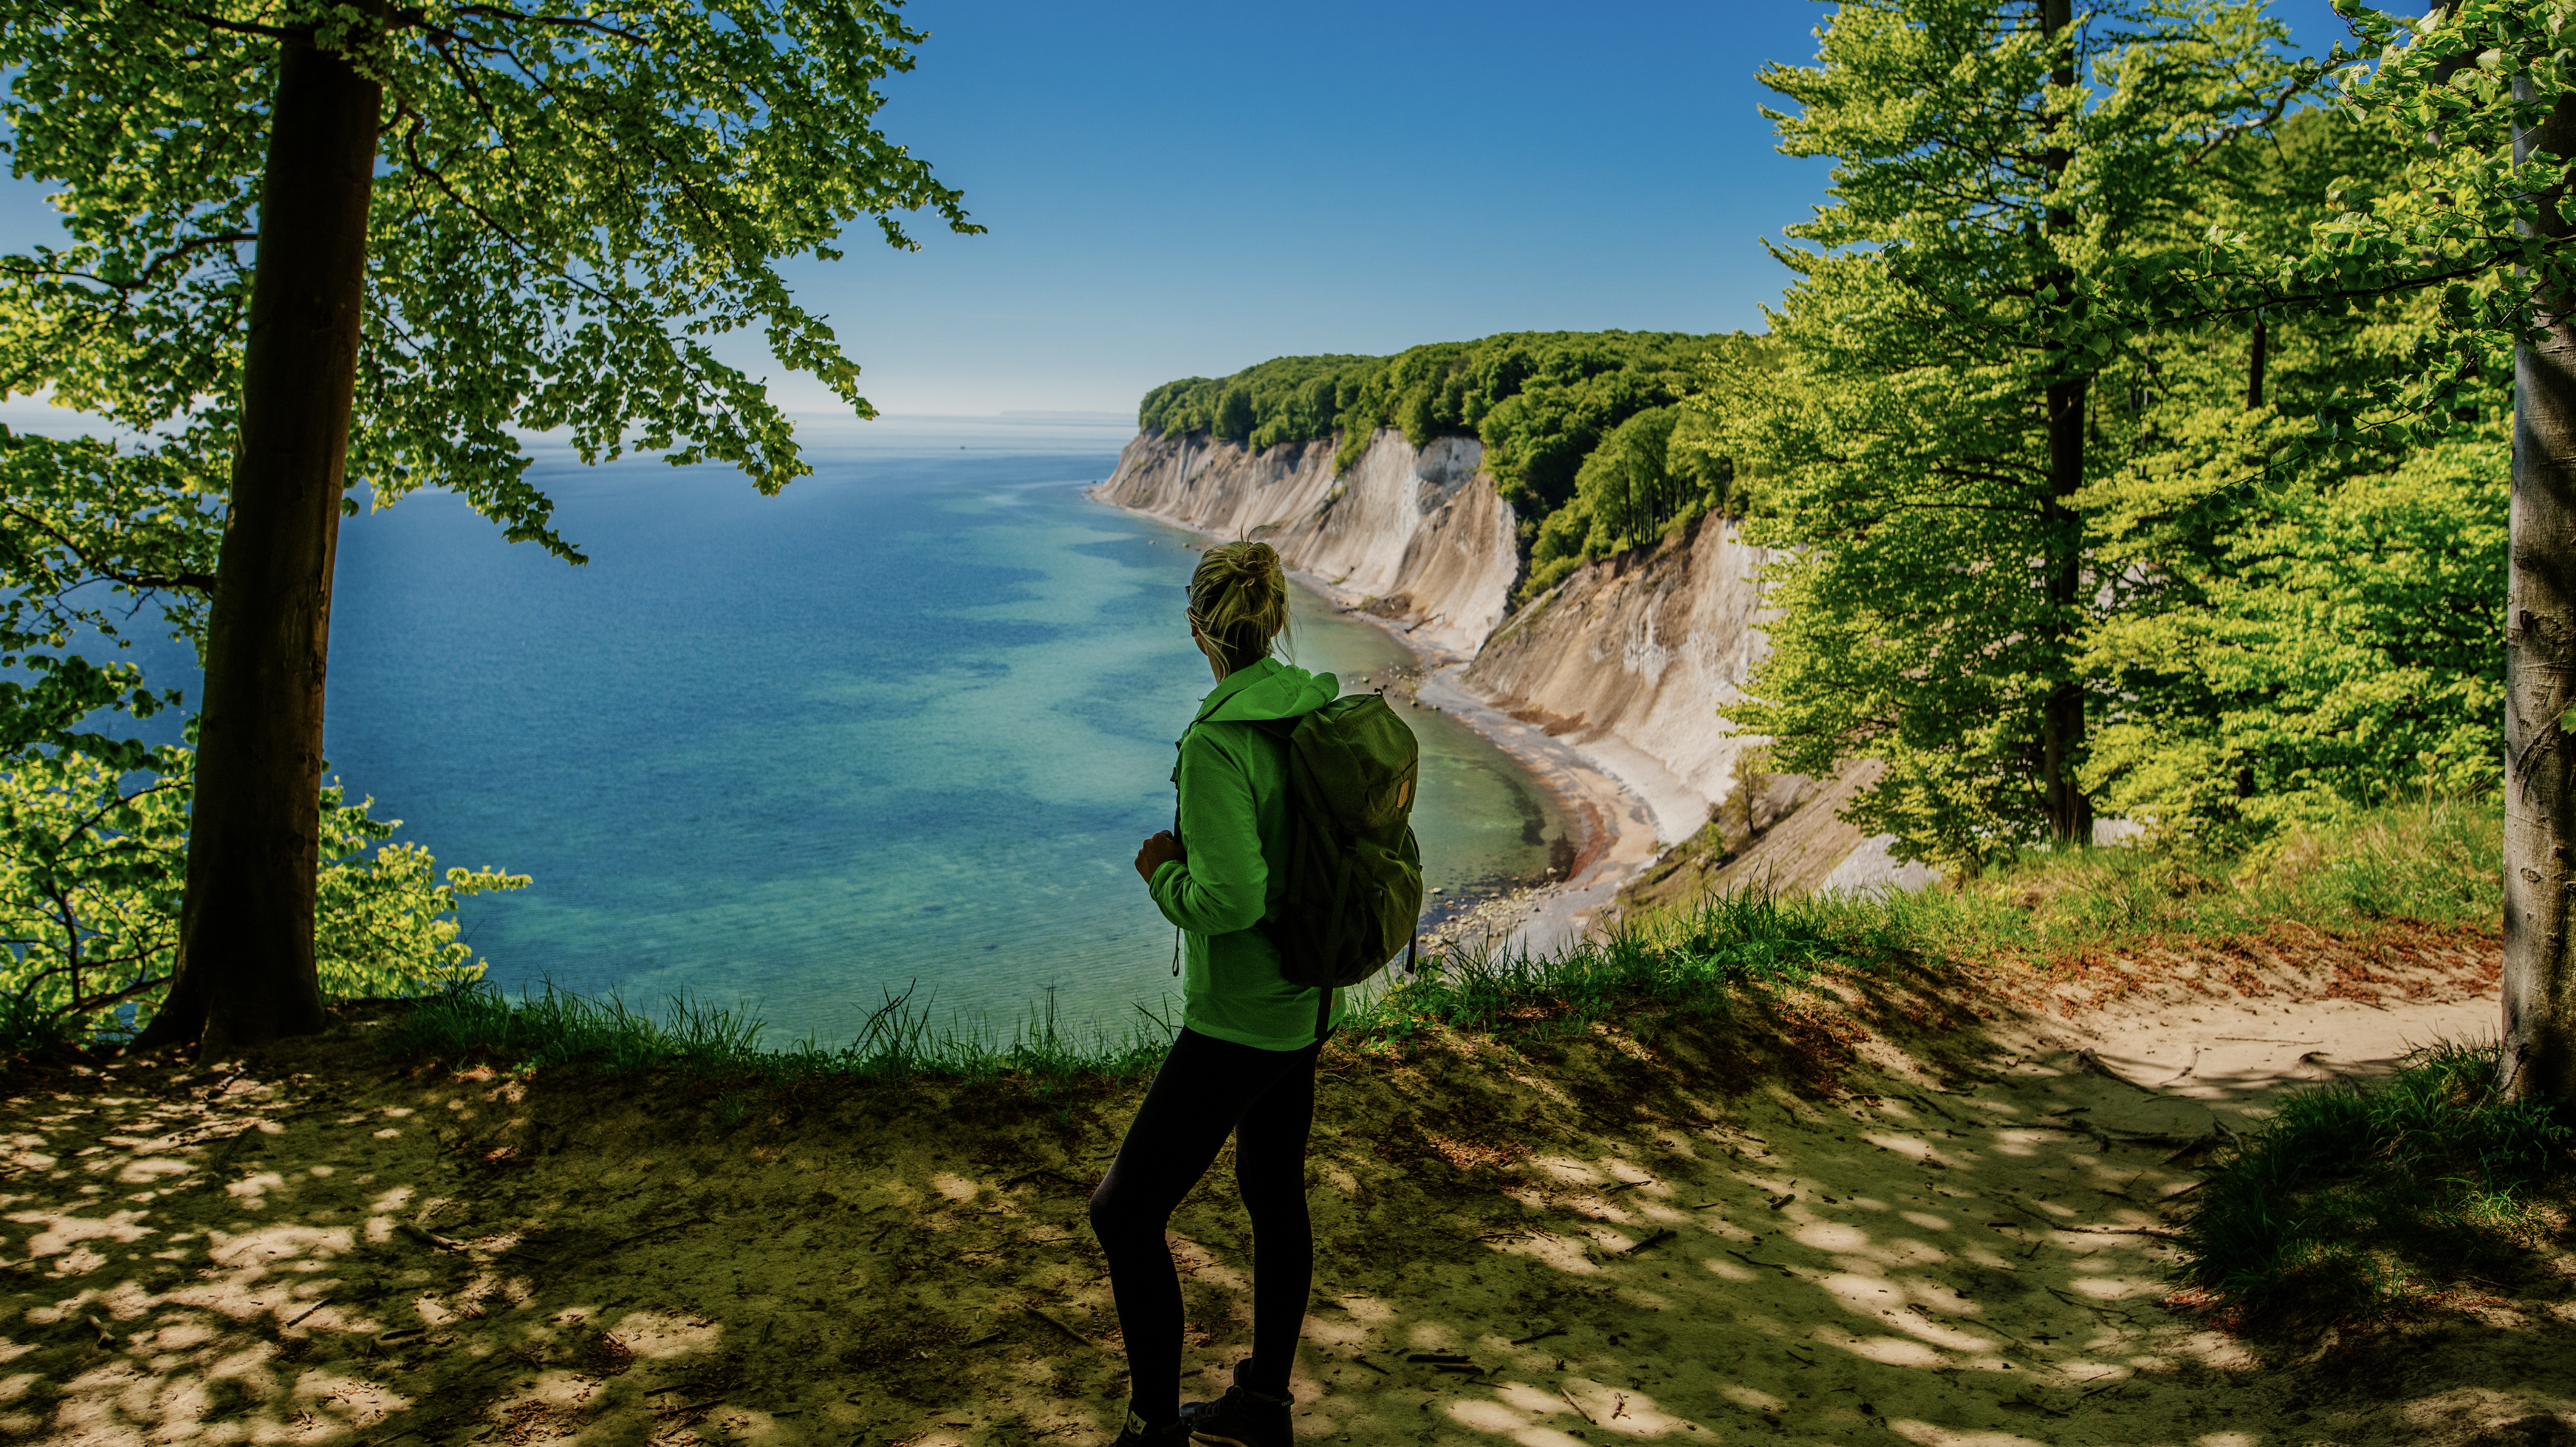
pixel 1354 870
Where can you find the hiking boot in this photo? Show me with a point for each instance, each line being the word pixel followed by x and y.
pixel 1240 1418
pixel 1137 1434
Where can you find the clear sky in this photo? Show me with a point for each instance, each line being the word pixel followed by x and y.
pixel 1177 189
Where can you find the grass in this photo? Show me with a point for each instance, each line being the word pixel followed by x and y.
pixel 551 1028
pixel 2434 864
pixel 1696 958
pixel 2355 1201
pixel 2437 864
pixel 2350 1200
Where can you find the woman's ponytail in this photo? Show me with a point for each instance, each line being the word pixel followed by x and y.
pixel 1239 600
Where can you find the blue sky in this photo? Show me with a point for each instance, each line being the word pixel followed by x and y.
pixel 1177 189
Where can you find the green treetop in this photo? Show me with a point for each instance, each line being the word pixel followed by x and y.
pixel 1926 427
pixel 311 245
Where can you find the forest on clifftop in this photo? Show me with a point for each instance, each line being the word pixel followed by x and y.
pixel 2232 611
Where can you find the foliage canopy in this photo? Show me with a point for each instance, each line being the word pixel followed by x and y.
pixel 572 208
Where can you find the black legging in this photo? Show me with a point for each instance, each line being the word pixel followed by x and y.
pixel 1206 1088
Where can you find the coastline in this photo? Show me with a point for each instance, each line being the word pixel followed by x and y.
pixel 1615 826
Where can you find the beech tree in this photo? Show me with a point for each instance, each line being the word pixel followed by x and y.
pixel 2286 635
pixel 2479 99
pixel 312 246
pixel 1930 414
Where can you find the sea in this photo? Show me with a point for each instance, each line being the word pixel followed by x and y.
pixel 895 732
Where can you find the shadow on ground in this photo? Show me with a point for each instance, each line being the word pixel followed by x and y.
pixel 1852 1216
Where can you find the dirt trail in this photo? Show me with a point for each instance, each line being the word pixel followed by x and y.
pixel 1680 1236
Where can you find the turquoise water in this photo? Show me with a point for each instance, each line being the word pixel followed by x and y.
pixel 902 726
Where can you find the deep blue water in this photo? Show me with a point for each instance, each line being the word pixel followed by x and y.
pixel 902 725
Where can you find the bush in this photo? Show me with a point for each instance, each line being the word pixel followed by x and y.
pixel 92 863
pixel 2356 1199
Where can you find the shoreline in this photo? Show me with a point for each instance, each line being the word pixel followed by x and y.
pixel 1614 824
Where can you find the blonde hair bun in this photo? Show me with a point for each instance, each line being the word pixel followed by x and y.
pixel 1239 600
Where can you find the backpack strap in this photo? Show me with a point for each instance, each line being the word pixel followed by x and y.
pixel 1285 731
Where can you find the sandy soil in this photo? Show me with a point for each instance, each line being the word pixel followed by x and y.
pixel 1857 1215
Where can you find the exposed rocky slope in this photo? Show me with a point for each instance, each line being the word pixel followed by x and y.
pixel 1421 536
pixel 1622 665
pixel 1628 659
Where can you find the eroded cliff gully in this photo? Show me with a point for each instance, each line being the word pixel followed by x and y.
pixel 1617 671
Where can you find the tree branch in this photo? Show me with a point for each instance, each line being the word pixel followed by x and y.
pixel 200 582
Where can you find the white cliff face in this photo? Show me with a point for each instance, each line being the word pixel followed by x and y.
pixel 1628 659
pixel 1623 664
pixel 1422 534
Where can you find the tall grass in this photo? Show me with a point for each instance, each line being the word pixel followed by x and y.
pixel 2435 864
pixel 550 1028
pixel 2354 1199
pixel 1696 957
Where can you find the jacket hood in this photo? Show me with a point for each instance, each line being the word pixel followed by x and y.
pixel 1269 689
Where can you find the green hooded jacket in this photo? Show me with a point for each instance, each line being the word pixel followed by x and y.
pixel 1234 820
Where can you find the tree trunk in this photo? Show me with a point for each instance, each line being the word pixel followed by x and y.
pixel 245 967
pixel 2540 684
pixel 2254 364
pixel 2070 814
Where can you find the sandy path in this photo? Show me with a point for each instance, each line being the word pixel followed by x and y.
pixel 1616 1237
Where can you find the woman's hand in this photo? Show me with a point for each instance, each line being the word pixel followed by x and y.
pixel 1153 852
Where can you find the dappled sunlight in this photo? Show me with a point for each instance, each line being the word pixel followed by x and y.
pixel 1931 1435
pixel 1887 1351
pixel 1970 1256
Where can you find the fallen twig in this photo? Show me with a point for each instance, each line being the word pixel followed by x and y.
pixel 2093 1062
pixel 428 1238
pixel 2189 1146
pixel 2048 1221
pixel 2150 1137
pixel 2164 1231
pixel 1657 1239
pixel 2186 1070
pixel 1577 1406
pixel 1540 1336
pixel 1068 1331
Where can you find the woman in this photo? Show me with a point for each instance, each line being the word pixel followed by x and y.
pixel 1244 1062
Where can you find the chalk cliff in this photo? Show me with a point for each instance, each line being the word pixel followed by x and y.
pixel 1420 534
pixel 1627 660
pixel 1617 671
